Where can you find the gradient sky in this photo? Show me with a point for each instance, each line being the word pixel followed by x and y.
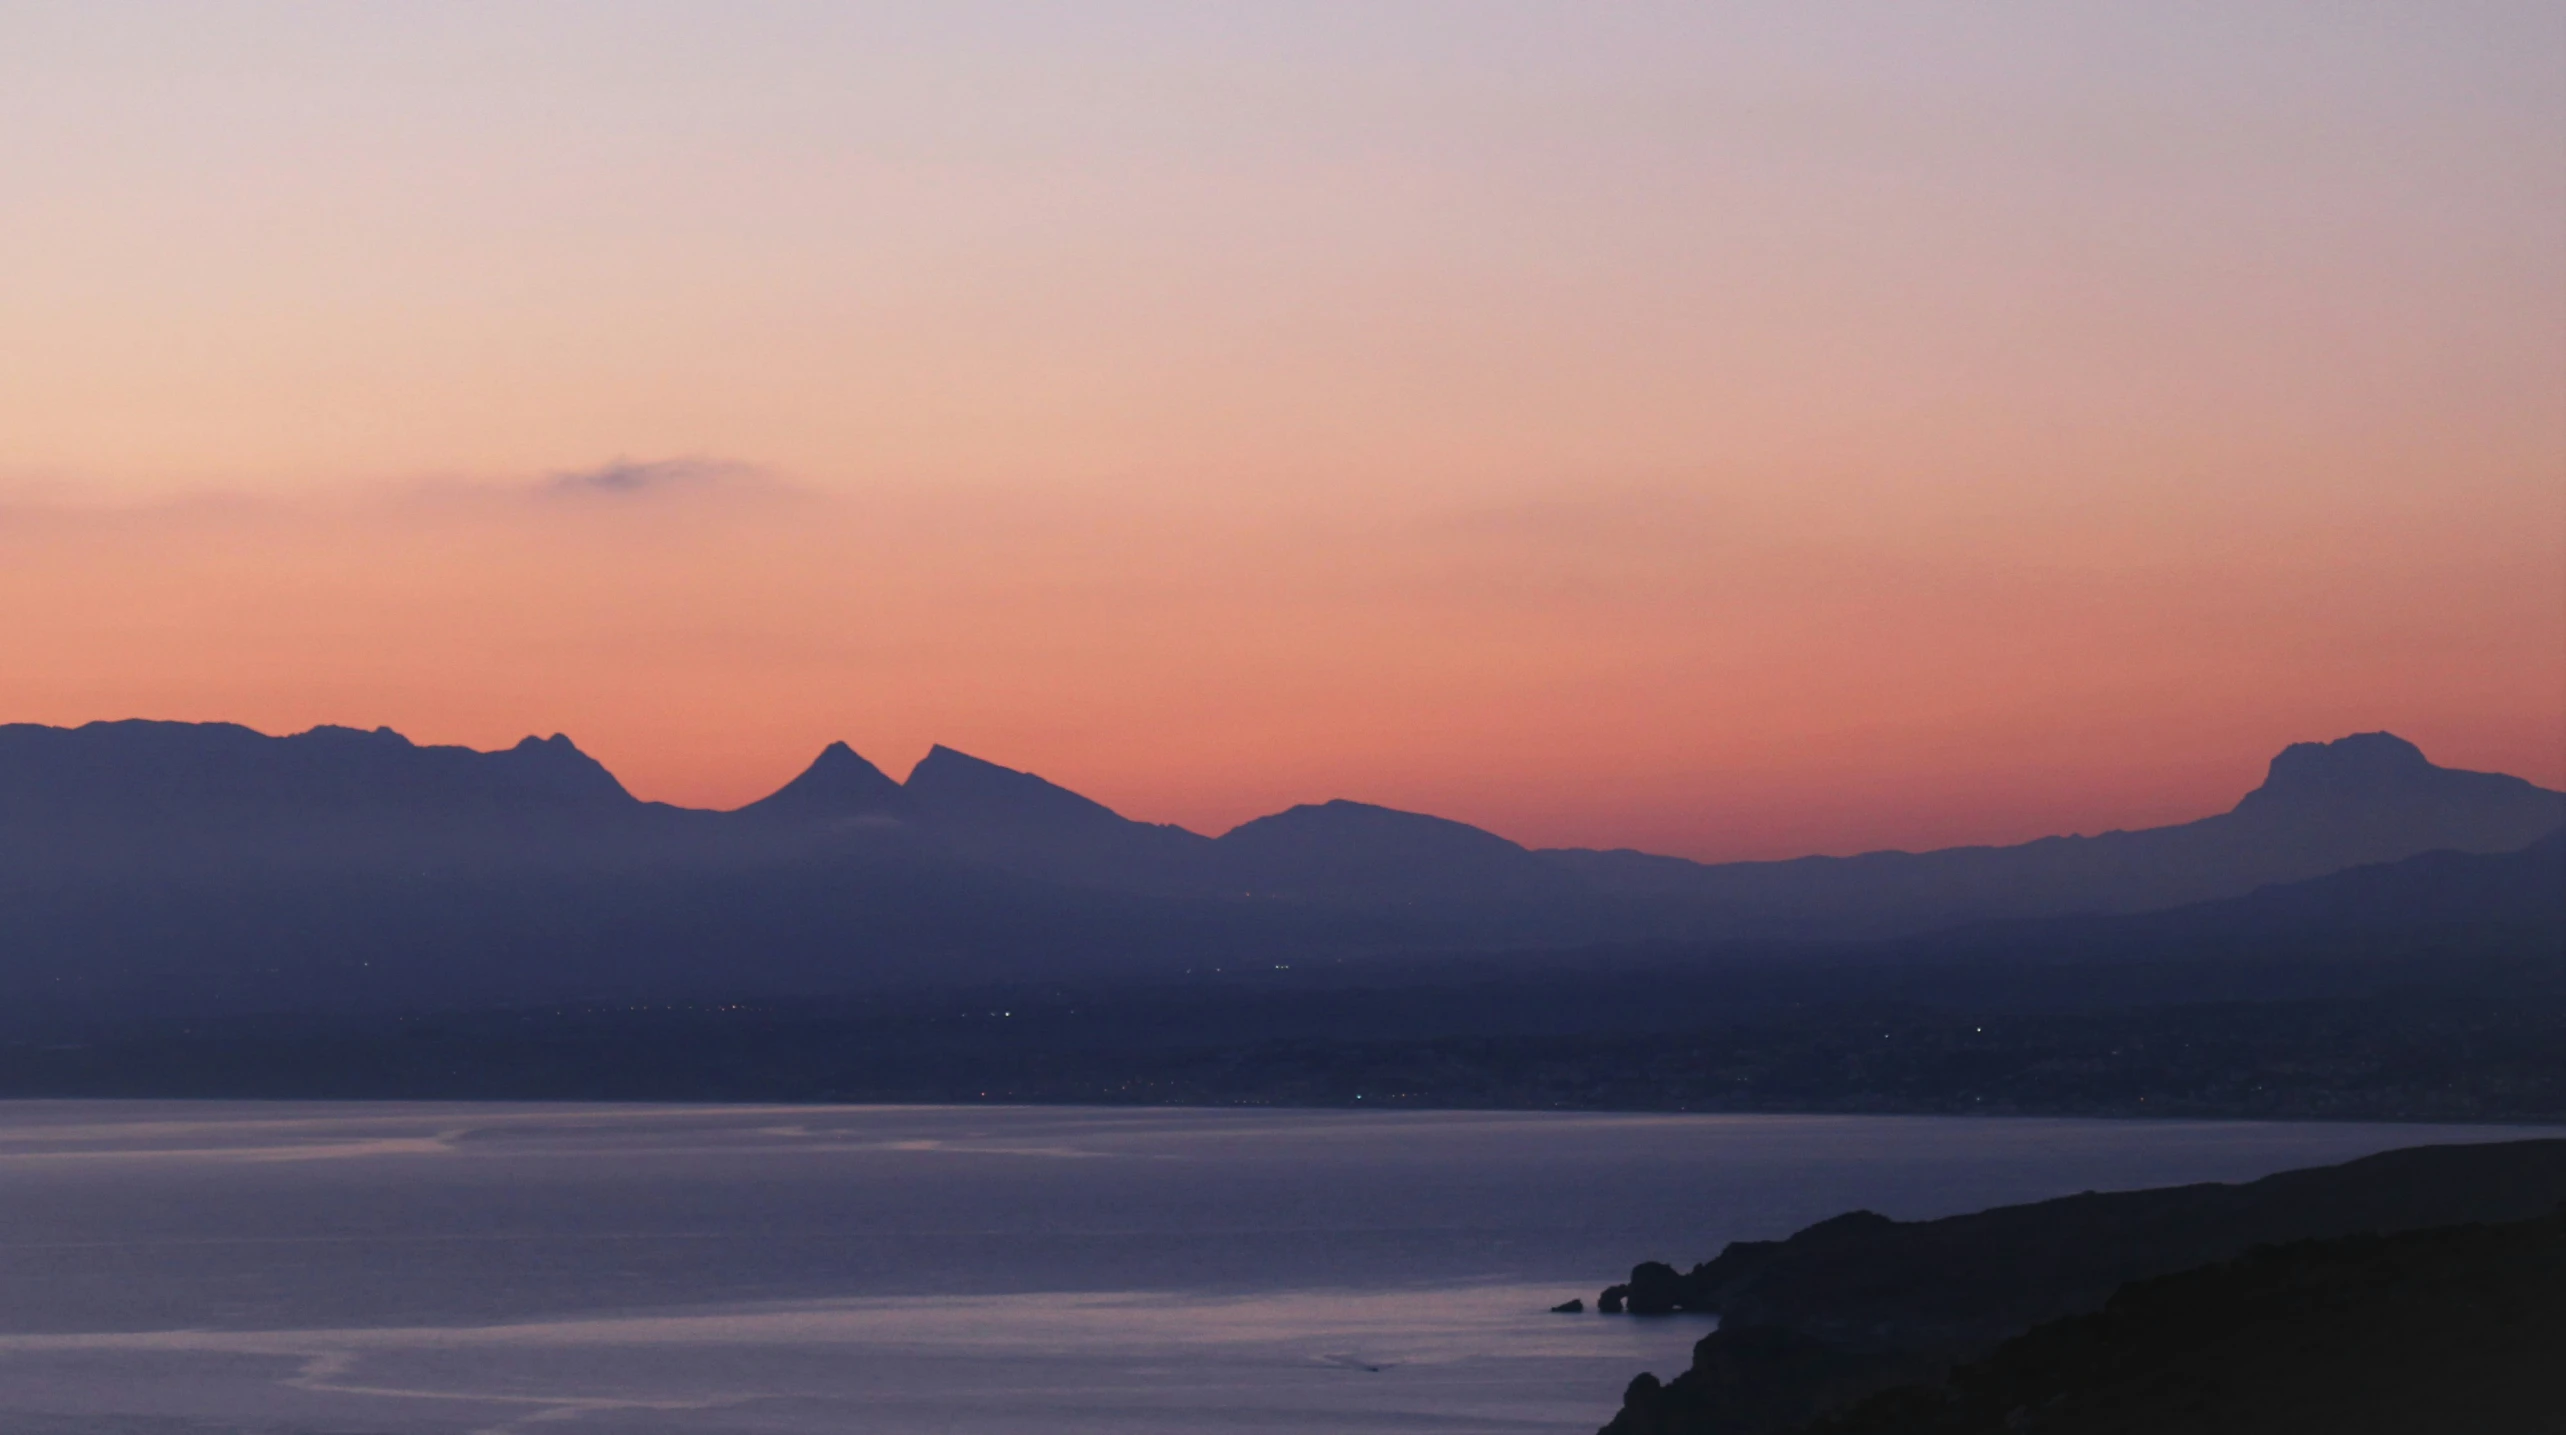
pixel 1733 430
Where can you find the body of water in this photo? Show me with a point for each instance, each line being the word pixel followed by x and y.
pixel 190 1268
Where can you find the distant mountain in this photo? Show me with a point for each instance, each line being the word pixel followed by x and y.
pixel 838 792
pixel 2369 798
pixel 128 795
pixel 189 773
pixel 1022 823
pixel 2324 807
pixel 1340 851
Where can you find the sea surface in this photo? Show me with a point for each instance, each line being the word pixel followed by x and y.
pixel 191 1268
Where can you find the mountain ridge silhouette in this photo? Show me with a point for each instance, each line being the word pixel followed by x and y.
pixel 121 797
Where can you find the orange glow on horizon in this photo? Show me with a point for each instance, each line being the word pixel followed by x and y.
pixel 1649 683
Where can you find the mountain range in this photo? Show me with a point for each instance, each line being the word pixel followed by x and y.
pixel 124 796
pixel 204 866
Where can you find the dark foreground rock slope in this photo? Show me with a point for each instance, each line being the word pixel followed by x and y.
pixel 2457 1329
pixel 1861 1303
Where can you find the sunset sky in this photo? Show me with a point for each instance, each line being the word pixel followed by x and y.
pixel 1732 430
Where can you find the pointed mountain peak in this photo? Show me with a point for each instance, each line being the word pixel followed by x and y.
pixel 837 756
pixel 839 785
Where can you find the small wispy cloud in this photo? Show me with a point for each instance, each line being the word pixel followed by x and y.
pixel 633 476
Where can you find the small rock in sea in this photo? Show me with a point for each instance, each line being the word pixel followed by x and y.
pixel 1569 1307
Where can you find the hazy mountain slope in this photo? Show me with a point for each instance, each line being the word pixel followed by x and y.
pixel 2324 807
pixel 2373 910
pixel 842 974
pixel 1020 822
pixel 2527 885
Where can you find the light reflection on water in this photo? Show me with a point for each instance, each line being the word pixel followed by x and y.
pixel 447 1269
pixel 1482 1357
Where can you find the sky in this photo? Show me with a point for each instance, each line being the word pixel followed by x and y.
pixel 1731 430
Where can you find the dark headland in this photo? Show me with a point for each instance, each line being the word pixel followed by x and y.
pixel 2422 1289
